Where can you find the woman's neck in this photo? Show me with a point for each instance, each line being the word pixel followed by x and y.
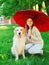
pixel 29 27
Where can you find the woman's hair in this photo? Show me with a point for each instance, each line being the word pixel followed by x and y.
pixel 27 27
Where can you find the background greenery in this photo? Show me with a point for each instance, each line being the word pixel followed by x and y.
pixel 9 7
pixel 6 58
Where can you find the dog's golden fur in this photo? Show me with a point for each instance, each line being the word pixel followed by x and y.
pixel 18 42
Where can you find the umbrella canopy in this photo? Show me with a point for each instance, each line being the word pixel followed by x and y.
pixel 41 20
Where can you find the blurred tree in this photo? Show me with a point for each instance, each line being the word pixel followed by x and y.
pixel 40 7
pixel 47 6
pixel 9 7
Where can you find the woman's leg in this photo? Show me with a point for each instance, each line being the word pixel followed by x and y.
pixel 27 46
pixel 34 49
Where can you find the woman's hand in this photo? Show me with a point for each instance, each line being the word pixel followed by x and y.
pixel 27 41
pixel 32 35
pixel 29 37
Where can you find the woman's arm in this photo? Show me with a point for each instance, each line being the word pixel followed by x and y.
pixel 36 36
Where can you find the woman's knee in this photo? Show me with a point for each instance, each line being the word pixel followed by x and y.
pixel 28 46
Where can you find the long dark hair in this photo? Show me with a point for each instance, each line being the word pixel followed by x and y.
pixel 27 27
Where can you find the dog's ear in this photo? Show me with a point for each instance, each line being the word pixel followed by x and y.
pixel 24 31
pixel 15 31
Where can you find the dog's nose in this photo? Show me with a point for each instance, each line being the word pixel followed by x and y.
pixel 19 33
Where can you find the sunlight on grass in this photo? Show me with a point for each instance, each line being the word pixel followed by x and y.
pixel 14 26
pixel 2 56
pixel 3 27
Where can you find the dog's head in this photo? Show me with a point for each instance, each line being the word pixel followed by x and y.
pixel 19 31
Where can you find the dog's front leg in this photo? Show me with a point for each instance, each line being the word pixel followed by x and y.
pixel 23 53
pixel 16 57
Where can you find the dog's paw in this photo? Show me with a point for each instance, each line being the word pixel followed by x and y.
pixel 23 57
pixel 16 59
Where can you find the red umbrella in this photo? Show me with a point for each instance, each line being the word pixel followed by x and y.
pixel 40 19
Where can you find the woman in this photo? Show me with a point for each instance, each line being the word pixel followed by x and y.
pixel 34 41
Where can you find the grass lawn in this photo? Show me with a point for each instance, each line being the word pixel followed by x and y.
pixel 6 58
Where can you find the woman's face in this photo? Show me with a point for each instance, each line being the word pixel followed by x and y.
pixel 29 22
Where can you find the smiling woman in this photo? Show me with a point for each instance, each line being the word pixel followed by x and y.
pixel 33 38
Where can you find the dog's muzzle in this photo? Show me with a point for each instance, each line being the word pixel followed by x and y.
pixel 19 33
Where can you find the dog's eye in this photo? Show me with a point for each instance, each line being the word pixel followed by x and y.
pixel 21 29
pixel 17 29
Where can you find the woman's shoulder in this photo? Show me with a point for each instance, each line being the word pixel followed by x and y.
pixel 34 27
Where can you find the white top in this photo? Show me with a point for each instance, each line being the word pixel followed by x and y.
pixel 35 36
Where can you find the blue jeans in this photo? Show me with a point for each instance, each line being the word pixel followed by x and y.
pixel 34 48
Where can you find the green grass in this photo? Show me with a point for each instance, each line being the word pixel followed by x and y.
pixel 6 58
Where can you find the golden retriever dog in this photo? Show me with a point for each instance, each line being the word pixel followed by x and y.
pixel 18 42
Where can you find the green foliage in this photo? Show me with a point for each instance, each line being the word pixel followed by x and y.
pixel 10 7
